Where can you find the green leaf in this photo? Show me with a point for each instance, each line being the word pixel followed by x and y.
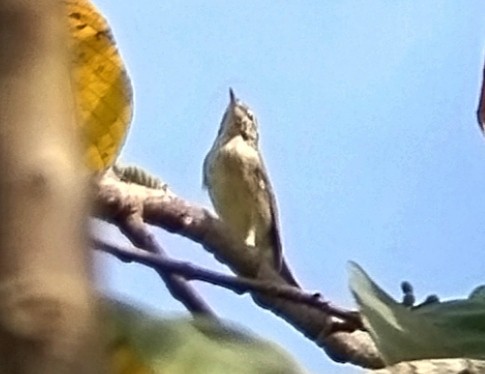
pixel 143 343
pixel 448 329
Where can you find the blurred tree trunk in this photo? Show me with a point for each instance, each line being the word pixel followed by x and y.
pixel 46 303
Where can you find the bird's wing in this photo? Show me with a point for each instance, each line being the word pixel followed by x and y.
pixel 275 233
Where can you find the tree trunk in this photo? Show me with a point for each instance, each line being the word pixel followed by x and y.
pixel 47 319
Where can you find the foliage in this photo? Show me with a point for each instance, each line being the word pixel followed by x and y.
pixel 448 329
pixel 143 343
pixel 102 89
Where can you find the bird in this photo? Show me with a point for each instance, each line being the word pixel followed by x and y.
pixel 236 179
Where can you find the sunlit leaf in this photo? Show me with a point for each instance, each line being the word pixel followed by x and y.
pixel 102 89
pixel 448 329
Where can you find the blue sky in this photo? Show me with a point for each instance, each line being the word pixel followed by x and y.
pixel 367 116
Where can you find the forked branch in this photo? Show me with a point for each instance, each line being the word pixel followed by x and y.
pixel 162 208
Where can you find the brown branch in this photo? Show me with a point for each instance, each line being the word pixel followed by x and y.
pixel 130 222
pixel 137 232
pixel 239 285
pixel 435 366
pixel 163 209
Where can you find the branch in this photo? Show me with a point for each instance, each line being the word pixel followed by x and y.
pixel 435 366
pixel 137 232
pixel 164 209
pixel 130 223
pixel 236 284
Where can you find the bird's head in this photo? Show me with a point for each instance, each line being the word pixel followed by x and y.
pixel 238 120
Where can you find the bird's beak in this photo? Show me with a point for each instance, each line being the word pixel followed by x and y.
pixel 232 96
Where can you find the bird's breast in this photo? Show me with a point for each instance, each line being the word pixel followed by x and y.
pixel 234 185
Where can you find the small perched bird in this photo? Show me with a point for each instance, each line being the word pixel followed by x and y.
pixel 239 187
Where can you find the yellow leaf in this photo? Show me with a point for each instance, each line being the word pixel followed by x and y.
pixel 123 359
pixel 102 89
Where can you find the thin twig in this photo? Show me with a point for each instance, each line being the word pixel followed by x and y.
pixel 236 284
pixel 137 232
pixel 130 223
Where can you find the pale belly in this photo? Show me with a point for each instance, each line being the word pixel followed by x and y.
pixel 238 197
